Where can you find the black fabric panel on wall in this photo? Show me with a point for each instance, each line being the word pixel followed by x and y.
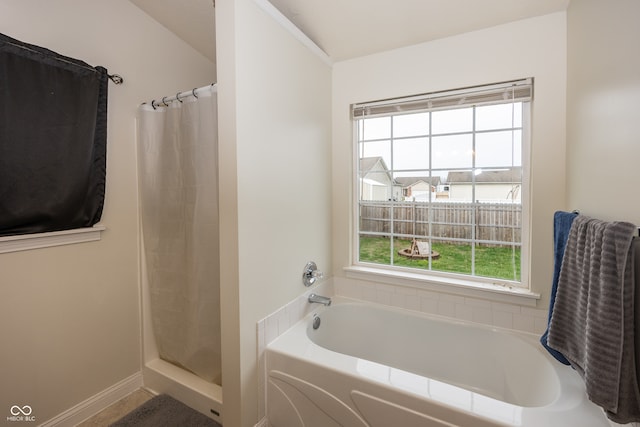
pixel 53 134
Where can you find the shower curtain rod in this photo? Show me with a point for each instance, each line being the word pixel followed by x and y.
pixel 178 96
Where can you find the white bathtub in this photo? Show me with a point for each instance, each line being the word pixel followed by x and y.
pixel 374 366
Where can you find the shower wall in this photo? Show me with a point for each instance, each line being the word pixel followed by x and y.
pixel 537 49
pixel 275 175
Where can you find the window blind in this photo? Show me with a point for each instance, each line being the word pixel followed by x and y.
pixel 516 91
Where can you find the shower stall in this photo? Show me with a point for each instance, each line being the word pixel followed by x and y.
pixel 179 253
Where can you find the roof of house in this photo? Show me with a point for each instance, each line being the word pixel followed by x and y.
pixel 367 163
pixel 408 181
pixel 508 175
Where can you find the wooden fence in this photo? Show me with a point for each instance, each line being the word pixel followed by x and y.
pixel 494 224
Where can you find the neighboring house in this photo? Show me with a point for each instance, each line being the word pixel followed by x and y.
pixel 417 188
pixel 376 182
pixel 491 185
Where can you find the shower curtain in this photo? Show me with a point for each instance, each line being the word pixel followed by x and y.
pixel 177 169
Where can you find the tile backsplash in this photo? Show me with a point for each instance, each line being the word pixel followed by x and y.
pixel 500 314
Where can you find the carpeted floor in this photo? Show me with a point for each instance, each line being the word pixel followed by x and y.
pixel 164 411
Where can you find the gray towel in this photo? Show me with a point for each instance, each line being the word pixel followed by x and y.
pixel 592 322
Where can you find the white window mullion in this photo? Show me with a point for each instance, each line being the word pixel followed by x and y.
pixel 430 214
pixel 474 201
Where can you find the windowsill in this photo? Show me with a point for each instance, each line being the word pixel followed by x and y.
pixel 25 242
pixel 467 288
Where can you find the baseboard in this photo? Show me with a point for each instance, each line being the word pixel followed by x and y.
pixel 97 403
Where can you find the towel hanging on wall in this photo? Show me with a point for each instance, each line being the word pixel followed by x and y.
pixel 562 222
pixel 53 134
pixel 592 323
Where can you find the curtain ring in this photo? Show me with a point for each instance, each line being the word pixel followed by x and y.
pixel 178 97
pixel 164 102
pixel 116 78
pixel 193 92
pixel 153 104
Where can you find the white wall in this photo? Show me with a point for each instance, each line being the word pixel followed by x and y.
pixel 275 132
pixel 69 323
pixel 603 114
pixel 529 48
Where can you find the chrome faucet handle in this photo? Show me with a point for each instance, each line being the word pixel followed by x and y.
pixel 310 274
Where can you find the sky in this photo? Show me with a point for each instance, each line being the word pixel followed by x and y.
pixel 498 140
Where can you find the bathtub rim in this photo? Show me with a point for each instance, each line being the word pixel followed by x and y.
pixel 550 382
pixel 294 343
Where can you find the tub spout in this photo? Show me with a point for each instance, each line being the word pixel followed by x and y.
pixel 313 298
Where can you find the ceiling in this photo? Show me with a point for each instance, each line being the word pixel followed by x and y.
pixel 191 20
pixel 347 29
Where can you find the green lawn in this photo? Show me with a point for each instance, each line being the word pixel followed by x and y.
pixel 490 261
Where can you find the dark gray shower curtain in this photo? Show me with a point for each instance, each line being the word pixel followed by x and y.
pixel 53 133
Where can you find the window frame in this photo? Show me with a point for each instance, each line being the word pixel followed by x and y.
pixel 433 278
pixel 26 242
pixel 69 133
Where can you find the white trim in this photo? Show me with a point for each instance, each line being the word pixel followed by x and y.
pixel 24 242
pixel 97 403
pixel 263 423
pixel 295 31
pixel 498 293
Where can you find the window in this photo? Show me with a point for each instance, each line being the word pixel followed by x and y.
pixel 52 140
pixel 440 182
